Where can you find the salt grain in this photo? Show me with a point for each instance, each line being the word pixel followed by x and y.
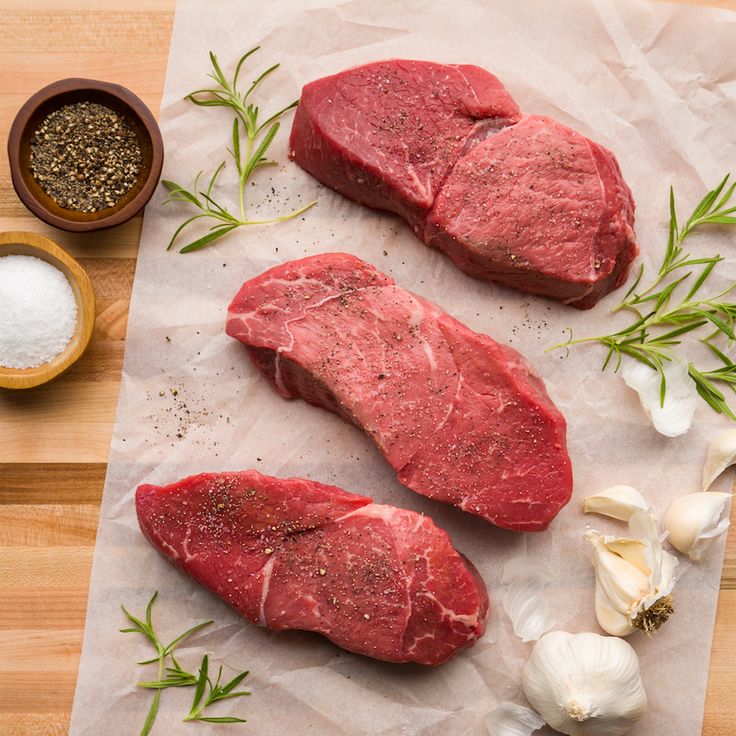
pixel 38 312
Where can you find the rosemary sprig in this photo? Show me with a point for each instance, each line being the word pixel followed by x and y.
pixel 251 140
pixel 177 676
pixel 162 651
pixel 215 693
pixel 660 321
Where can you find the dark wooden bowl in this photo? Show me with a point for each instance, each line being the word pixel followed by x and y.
pixel 69 91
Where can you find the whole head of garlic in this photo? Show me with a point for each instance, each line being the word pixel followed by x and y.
pixel 634 578
pixel 585 684
pixel 695 521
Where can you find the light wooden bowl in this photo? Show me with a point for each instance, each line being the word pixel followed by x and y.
pixel 66 92
pixel 33 244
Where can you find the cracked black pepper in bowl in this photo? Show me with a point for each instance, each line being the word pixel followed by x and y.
pixel 85 156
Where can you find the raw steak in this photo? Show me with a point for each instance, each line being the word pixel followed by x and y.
pixel 387 134
pixel 541 208
pixel 522 200
pixel 295 554
pixel 460 418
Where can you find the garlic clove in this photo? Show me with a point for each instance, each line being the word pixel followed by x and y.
pixel 676 415
pixel 618 502
pixel 585 684
pixel 510 719
pixel 622 583
pixel 523 599
pixel 634 551
pixel 643 526
pixel 610 620
pixel 694 521
pixel 654 608
pixel 634 578
pixel 668 574
pixel 721 455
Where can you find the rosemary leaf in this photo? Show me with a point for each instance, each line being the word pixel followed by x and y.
pixel 207 239
pixel 202 682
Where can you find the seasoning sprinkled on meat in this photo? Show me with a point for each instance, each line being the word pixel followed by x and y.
pixel 295 554
pixel 460 418
pixel 516 199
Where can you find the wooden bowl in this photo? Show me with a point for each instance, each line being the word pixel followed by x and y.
pixel 69 91
pixel 32 244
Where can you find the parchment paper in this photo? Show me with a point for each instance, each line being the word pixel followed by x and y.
pixel 657 84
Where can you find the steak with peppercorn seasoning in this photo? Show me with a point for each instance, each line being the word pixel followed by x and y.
pixel 520 200
pixel 295 554
pixel 460 418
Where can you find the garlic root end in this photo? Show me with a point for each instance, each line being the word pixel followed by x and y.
pixel 654 616
pixel 576 711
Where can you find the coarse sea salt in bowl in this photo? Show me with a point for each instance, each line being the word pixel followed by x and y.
pixel 51 332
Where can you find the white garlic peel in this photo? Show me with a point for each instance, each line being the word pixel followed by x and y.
pixel 634 578
pixel 510 719
pixel 676 416
pixel 585 684
pixel 523 599
pixel 695 521
pixel 721 455
pixel 618 502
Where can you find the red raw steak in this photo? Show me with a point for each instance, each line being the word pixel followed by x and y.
pixel 521 200
pixel 295 554
pixel 460 418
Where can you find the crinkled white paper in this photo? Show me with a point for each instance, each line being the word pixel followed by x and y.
pixel 654 82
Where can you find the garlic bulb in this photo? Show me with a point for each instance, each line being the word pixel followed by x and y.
pixel 510 719
pixel 676 415
pixel 585 684
pixel 721 455
pixel 618 502
pixel 523 599
pixel 634 578
pixel 694 521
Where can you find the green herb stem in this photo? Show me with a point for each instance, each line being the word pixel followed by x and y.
pixel 177 676
pixel 214 693
pixel 661 320
pixel 248 136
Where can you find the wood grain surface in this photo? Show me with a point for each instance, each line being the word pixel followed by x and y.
pixel 54 440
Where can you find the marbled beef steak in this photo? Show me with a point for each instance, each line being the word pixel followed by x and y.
pixel 460 418
pixel 295 554
pixel 522 200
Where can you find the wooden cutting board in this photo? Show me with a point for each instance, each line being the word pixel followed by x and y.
pixel 54 440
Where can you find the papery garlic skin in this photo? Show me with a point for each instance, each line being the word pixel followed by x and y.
pixel 618 502
pixel 585 684
pixel 676 416
pixel 695 521
pixel 634 578
pixel 721 455
pixel 523 599
pixel 510 719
